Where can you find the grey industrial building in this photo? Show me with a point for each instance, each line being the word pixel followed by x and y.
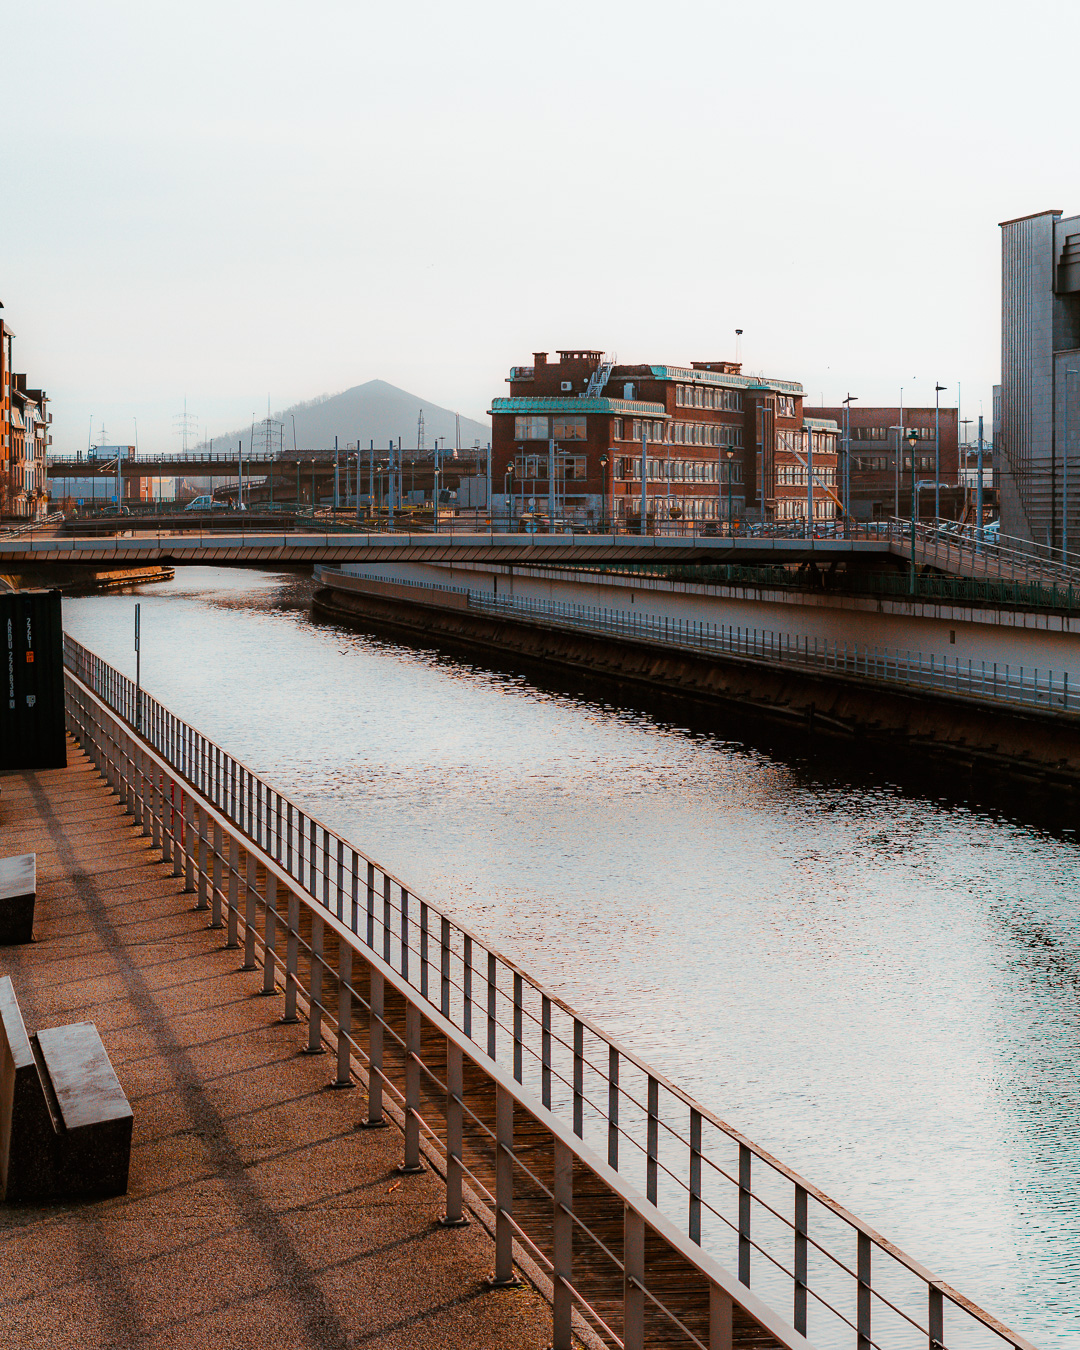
pixel 1039 485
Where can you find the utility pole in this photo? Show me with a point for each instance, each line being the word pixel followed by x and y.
pixel 551 480
pixel 979 484
pixel 335 475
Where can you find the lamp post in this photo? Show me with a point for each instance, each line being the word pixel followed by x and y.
pixel 336 497
pixel 435 496
pixel 939 389
pixel 603 509
pixel 313 489
pixel 851 398
pixel 965 422
pixel 508 493
pixel 644 529
pixel 729 455
pixel 912 440
pixel 1064 475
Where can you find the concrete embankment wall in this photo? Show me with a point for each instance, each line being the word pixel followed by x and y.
pixel 1031 639
pixel 1018 743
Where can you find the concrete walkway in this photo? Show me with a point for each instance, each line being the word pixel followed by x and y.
pixel 256 1214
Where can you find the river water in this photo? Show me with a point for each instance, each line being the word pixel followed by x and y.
pixel 878 983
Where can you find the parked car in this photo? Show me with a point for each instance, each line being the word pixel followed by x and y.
pixel 206 504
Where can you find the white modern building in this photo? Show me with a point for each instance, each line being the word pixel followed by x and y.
pixel 1036 464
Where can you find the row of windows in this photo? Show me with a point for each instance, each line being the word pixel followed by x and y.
pixel 795 475
pixel 679 470
pixel 561 427
pixel 679 508
pixel 882 433
pixel 697 396
pixel 528 467
pixel 792 441
pixel 880 463
pixel 794 508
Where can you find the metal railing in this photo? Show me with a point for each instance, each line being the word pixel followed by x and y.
pixel 28 527
pixel 988 682
pixel 634 1200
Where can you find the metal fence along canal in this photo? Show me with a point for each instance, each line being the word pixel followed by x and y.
pixel 652 1219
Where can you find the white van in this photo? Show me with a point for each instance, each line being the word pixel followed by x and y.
pixel 206 504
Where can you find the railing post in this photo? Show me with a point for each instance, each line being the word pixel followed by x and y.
pixel 412 1161
pixel 491 996
pixel 863 1314
pixel 518 983
pixel 251 899
pixel 720 1318
pixel 202 830
pixel 694 1224
pixel 613 1108
pixel 157 808
pixel 292 952
pixel 232 942
pixel 190 845
pixel 270 936
pixel 315 988
pixel 801 1250
pixel 444 966
pixel 936 1319
pixel 504 1191
pixel 652 1141
pixel 562 1275
pixel 579 1077
pixel 216 920
pixel 376 1007
pixel 455 1083
pixel 745 1157
pixel 545 1050
pixel 633 1280
pixel 344 1015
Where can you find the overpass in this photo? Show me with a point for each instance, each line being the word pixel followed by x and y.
pixel 884 545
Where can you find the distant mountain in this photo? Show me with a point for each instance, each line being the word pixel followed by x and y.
pixel 375 411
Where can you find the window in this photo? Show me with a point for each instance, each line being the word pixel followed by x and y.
pixel 616 429
pixel 569 428
pixel 869 433
pixel 785 406
pixel 531 428
pixel 680 396
pixel 571 467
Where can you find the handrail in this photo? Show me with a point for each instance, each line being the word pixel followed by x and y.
pixel 991 683
pixel 542 1051
pixel 53 518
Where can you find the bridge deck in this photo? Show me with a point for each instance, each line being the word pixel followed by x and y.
pixel 255 1214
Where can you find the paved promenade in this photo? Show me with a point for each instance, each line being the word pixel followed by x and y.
pixel 256 1214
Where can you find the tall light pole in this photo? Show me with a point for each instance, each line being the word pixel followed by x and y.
pixel 644 478
pixel 508 493
pixel 336 497
pixel 1065 475
pixel 965 422
pixel 603 509
pixel 851 398
pixel 809 482
pixel 899 457
pixel 979 490
pixel 729 456
pixel 913 440
pixel 939 389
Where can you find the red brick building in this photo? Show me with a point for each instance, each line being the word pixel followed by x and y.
pixel 717 443
pixel 879 478
pixel 24 421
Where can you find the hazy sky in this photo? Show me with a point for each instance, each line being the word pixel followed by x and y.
pixel 236 200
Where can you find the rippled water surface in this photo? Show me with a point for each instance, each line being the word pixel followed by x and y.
pixel 878 985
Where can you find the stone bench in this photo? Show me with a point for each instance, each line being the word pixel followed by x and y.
pixel 18 891
pixel 65 1123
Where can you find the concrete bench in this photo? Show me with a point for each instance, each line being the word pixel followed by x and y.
pixel 18 891
pixel 65 1123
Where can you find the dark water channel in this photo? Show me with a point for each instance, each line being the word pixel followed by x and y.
pixel 879 983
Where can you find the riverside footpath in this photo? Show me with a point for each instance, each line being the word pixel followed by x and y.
pixel 256 1213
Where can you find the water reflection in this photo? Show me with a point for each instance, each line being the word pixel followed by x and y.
pixel 875 978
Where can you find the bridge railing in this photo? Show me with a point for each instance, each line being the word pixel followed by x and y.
pixel 633 1198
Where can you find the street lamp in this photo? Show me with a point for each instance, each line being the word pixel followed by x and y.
pixel 313 489
pixel 939 389
pixel 913 440
pixel 729 455
pixel 508 493
pixel 603 510
pixel 851 398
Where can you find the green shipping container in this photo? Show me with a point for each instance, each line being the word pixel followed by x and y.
pixel 32 706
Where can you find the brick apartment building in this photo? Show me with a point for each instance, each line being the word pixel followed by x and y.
pixel 24 437
pixel 876 484
pixel 718 443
